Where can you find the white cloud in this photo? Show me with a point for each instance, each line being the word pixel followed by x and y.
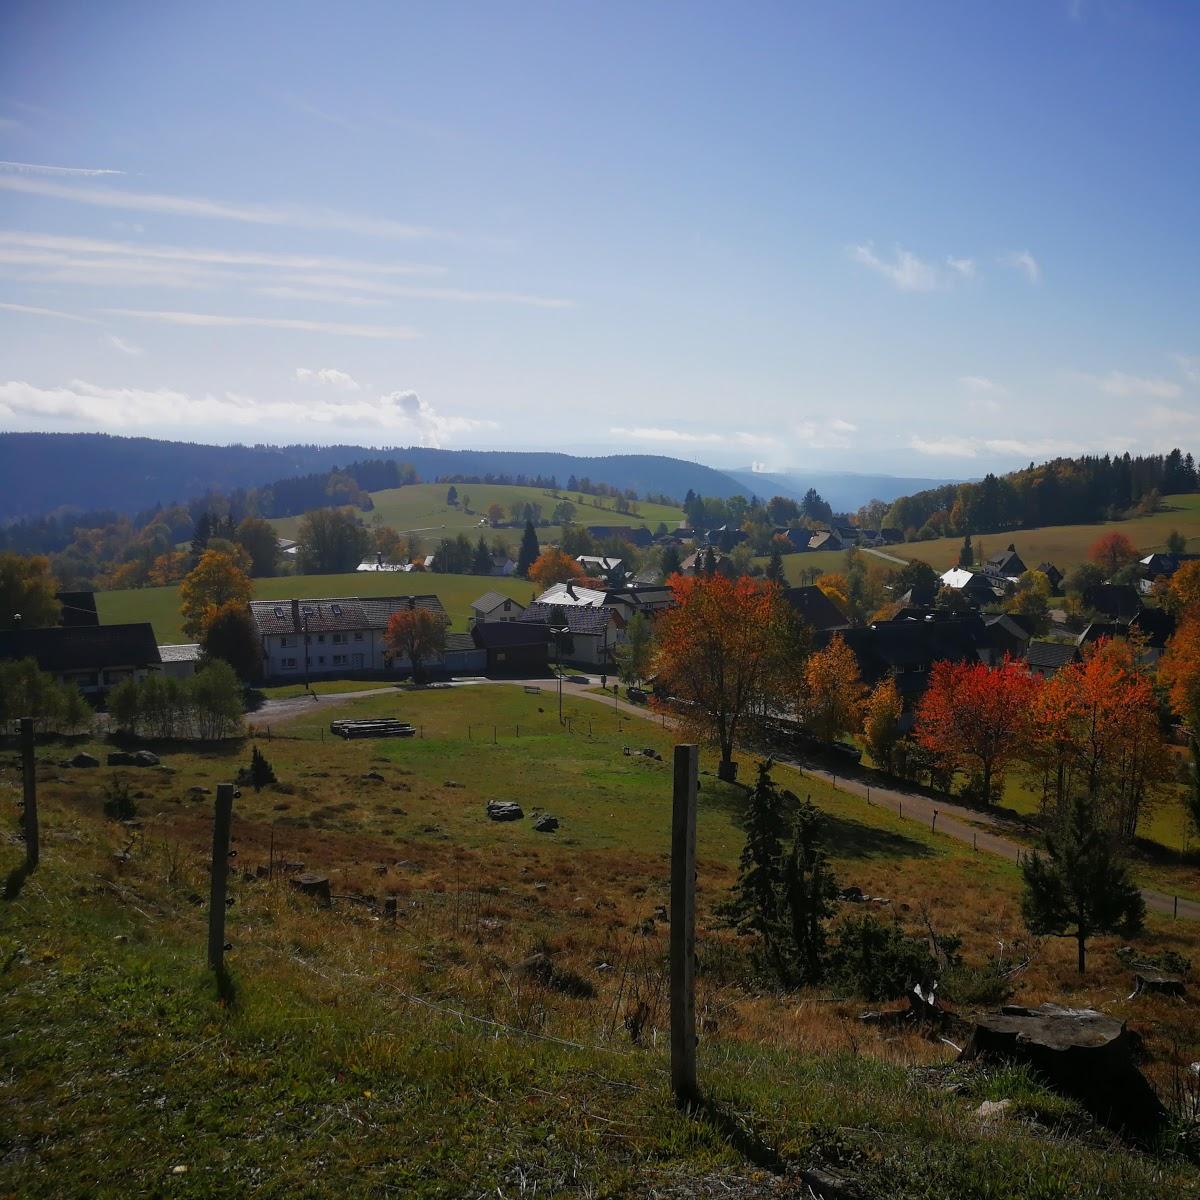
pixel 759 468
pixel 1023 260
pixel 955 446
pixel 9 123
pixel 1117 383
pixel 400 416
pixel 119 343
pixel 685 437
pixel 907 272
pixel 197 206
pixel 943 447
pixel 1170 421
pixel 962 266
pixel 286 292
pixel 459 295
pixel 1189 365
pixel 33 311
pixel 329 376
pixel 830 433
pixel 69 248
pixel 981 385
pixel 24 168
pixel 220 320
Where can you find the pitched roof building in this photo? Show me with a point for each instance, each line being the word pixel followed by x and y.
pixel 93 657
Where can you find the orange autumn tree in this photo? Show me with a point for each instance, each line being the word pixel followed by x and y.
pixel 553 566
pixel 415 634
pixel 216 580
pixel 978 715
pixel 724 649
pixel 833 691
pixel 1112 551
pixel 1183 591
pixel 1095 734
pixel 1179 673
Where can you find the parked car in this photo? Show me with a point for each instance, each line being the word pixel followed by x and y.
pixel 636 695
pixel 845 750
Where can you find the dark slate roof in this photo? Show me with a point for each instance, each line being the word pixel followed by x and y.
pixel 1051 655
pixel 653 595
pixel 78 608
pixel 579 619
pixel 1116 600
pixel 1101 629
pixel 1007 562
pixel 489 601
pixel 180 652
pixel 459 642
pixel 335 614
pixel 83 648
pixel 502 635
pixel 815 608
pixel 905 646
pixel 1051 572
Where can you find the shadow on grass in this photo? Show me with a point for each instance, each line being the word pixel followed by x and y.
pixel 740 1136
pixel 842 836
pixel 226 988
pixel 16 879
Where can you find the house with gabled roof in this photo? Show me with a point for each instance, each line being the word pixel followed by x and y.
pixel 975 586
pixel 593 631
pixel 826 539
pixel 1045 658
pixel 94 658
pixel 1008 564
pixel 492 606
pixel 1052 573
pixel 816 610
pixel 332 637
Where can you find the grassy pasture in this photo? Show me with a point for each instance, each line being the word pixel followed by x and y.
pixel 363 1058
pixel 422 508
pixel 1067 545
pixel 160 606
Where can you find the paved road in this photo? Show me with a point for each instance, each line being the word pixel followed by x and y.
pixel 900 562
pixel 972 826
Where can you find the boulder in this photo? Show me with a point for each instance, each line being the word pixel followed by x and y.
pixel 83 759
pixel 991 1110
pixel 120 758
pixel 145 758
pixel 197 790
pixel 1081 1053
pixel 317 886
pixel 1146 979
pixel 545 824
pixel 504 810
pixel 372 777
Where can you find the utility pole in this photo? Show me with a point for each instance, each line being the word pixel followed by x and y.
pixel 29 780
pixel 222 820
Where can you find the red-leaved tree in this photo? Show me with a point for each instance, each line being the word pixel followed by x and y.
pixel 977 715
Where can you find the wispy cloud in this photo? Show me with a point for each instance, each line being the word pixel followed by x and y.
pixel 955 446
pixel 684 437
pixel 1023 261
pixel 982 385
pixel 24 168
pixel 197 206
pixel 9 123
pixel 330 376
pixel 1118 383
pixel 830 433
pixel 962 266
pixel 283 291
pixel 225 320
pixel 906 271
pixel 348 283
pixel 400 415
pixel 1189 365
pixel 208 256
pixel 119 343
pixel 33 311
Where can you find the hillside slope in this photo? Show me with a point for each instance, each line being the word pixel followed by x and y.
pixel 40 472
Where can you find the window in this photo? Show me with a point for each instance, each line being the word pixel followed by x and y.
pixel 358 637
pixel 321 660
pixel 285 642
pixel 321 638
pixel 339 660
pixel 279 611
pixel 336 609
pixel 289 664
pixel 339 639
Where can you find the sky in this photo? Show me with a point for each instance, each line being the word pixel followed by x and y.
pixel 926 239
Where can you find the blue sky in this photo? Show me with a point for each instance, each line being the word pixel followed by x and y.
pixel 928 239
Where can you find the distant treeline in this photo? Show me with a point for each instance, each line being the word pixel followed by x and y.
pixel 1065 491
pixel 576 486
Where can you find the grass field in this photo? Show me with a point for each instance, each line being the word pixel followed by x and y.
pixel 160 606
pixel 356 1057
pixel 422 508
pixel 1067 545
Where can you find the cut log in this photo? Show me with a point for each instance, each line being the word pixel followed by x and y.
pixel 1081 1053
pixel 314 885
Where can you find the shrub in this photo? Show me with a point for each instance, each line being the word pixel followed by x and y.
pixel 118 801
pixel 878 961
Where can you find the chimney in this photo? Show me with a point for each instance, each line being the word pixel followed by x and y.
pixel 571 591
pixel 296 615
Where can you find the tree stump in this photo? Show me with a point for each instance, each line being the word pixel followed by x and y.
pixel 1081 1053
pixel 316 886
pixel 1147 980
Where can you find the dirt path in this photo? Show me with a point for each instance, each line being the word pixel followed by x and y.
pixel 900 562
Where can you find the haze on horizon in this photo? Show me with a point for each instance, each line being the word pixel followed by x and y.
pixel 926 240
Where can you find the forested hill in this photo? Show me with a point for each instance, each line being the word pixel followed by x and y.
pixel 41 472
pixel 1064 491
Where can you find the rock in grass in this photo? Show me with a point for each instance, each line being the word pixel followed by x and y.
pixel 545 824
pixel 120 758
pixel 314 885
pixel 504 810
pixel 145 758
pixel 83 759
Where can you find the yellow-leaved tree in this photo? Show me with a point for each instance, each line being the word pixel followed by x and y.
pixel 216 580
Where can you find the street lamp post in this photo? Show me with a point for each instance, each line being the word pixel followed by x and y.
pixel 307 684
pixel 558 631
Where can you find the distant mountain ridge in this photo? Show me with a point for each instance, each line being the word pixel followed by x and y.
pixel 846 491
pixel 40 472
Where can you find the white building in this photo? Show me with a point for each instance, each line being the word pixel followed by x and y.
pixel 332 637
pixel 491 606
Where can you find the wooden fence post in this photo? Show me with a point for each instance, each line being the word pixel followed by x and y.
pixel 222 820
pixel 29 780
pixel 683 926
pixel 933 823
